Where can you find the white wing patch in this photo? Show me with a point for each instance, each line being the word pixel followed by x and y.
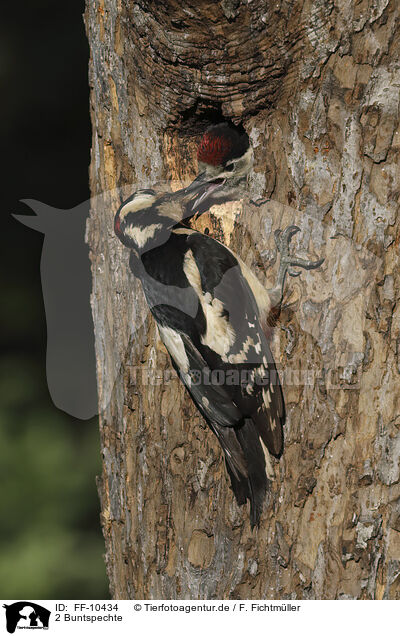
pixel 183 230
pixel 269 471
pixel 220 335
pixel 260 293
pixel 175 346
pixel 266 397
pixel 237 358
pixel 142 235
pixel 261 371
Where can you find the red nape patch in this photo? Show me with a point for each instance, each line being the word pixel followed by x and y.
pixel 117 225
pixel 214 148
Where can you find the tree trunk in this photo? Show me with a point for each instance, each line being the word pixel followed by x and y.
pixel 316 86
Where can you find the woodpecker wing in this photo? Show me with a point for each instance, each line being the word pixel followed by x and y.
pixel 212 399
pixel 239 437
pixel 213 402
pixel 234 340
pixel 243 405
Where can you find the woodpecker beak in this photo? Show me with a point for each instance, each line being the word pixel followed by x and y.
pixel 201 188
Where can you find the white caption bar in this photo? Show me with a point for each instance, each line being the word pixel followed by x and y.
pixel 122 617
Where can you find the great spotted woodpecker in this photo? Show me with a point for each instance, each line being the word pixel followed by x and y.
pixel 212 312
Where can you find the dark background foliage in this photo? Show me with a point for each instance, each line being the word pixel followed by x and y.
pixel 50 539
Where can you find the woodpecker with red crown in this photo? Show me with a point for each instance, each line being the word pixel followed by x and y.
pixel 212 312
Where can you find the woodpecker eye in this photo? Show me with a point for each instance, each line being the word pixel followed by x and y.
pixel 229 167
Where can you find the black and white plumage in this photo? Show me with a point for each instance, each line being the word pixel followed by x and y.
pixel 212 314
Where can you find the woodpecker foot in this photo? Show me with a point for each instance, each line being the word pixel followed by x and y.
pixel 287 262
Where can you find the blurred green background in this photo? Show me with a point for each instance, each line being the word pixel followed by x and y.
pixel 51 544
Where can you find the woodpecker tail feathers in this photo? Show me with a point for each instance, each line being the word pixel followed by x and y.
pixel 246 465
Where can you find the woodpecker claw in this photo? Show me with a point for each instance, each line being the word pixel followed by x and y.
pixel 282 241
pixel 288 262
pixel 283 237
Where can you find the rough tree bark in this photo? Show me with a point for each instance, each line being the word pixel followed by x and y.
pixel 316 85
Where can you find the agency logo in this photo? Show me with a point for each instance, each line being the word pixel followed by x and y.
pixel 26 615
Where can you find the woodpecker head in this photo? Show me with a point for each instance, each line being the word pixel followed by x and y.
pixel 225 158
pixel 131 218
